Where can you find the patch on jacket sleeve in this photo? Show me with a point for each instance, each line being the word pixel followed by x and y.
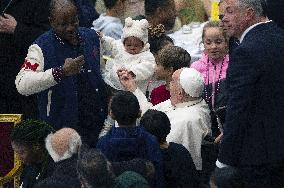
pixel 28 66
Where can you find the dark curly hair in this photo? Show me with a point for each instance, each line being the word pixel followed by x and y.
pixel 31 132
pixel 173 57
pixel 157 123
pixel 125 107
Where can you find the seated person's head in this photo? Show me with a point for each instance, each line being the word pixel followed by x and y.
pixel 158 39
pixel 161 12
pixel 135 35
pixel 124 108
pixel 169 60
pixel 27 139
pixel 63 144
pixel 157 123
pixel 64 20
pixel 186 85
pixel 93 169
pixel 215 40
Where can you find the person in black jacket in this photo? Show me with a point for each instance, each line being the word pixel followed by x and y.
pixel 27 140
pixel 22 23
pixel 179 169
pixel 253 139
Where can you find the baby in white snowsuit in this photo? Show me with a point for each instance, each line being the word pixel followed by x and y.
pixel 132 53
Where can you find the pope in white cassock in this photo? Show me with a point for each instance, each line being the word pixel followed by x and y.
pixel 189 114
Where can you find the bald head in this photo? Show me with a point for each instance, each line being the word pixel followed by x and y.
pixel 63 144
pixel 60 6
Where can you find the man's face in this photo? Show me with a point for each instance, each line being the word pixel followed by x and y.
pixel 24 152
pixel 175 88
pixel 168 15
pixel 65 23
pixel 235 18
pixel 222 10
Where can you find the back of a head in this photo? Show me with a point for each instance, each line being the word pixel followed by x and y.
pixel 173 57
pixel 31 132
pixel 158 39
pixel 63 144
pixel 157 123
pixel 110 3
pixel 93 169
pixel 125 108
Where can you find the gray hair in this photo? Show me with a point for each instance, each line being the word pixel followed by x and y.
pixel 255 4
pixel 73 147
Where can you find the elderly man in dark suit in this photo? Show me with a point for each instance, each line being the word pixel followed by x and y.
pixel 253 137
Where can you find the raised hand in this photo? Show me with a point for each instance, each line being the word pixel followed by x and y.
pixel 73 66
pixel 126 79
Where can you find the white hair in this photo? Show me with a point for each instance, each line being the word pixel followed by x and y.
pixel 73 147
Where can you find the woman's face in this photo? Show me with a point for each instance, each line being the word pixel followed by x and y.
pixel 215 43
pixel 27 154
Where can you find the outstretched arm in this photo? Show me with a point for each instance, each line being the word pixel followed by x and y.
pixel 128 82
pixel 33 79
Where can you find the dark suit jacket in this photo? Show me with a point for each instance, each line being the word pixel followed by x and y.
pixel 254 127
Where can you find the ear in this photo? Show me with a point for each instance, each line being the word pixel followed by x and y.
pixel 128 22
pixel 250 13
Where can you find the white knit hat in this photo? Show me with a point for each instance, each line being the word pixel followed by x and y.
pixel 136 28
pixel 191 82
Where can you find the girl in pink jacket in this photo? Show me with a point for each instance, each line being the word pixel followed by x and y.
pixel 213 65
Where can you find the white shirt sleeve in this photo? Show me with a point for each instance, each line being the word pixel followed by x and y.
pixel 32 78
pixel 143 102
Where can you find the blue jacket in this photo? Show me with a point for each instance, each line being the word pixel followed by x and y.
pixel 76 99
pixel 123 144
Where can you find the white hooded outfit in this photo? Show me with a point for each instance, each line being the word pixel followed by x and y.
pixel 141 64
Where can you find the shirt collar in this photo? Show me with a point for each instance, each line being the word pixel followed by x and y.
pixel 187 104
pixel 250 28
